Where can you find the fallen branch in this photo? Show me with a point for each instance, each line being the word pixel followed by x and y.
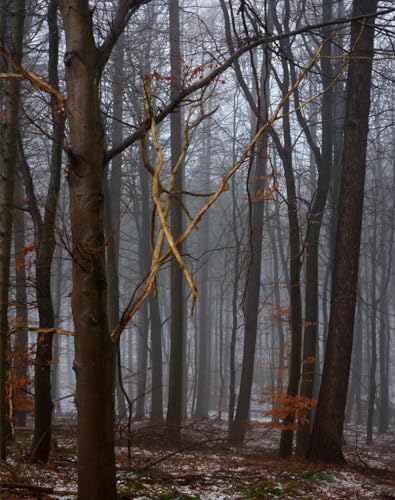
pixel 29 487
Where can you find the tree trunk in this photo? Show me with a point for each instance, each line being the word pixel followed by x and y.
pixel 93 347
pixel 372 388
pixel 177 334
pixel 156 361
pixel 21 337
pixel 8 157
pixel 203 375
pixel 326 440
pixel 324 165
pixel 45 247
pixel 112 208
pixel 57 283
pixel 238 427
pixel 142 358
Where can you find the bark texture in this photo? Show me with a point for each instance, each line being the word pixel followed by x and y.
pixel 15 13
pixel 326 441
pixel 93 347
pixel 177 334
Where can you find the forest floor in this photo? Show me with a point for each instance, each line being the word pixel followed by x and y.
pixel 205 467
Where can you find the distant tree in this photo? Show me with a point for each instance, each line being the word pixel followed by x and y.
pixel 205 339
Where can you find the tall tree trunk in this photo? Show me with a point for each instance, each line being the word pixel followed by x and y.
pixel 285 152
pixel 93 347
pixel 177 333
pixel 203 375
pixel 324 165
pixel 57 284
pixel 372 388
pixel 256 188
pixel 21 336
pixel 45 243
pixel 279 362
pixel 235 290
pixel 326 440
pixel 286 439
pixel 15 13
pixel 112 211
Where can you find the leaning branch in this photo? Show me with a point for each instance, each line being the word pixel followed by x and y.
pixel 34 79
pixel 157 260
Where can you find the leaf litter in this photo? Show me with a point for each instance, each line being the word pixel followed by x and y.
pixel 205 467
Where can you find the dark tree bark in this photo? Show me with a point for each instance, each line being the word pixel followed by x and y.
pixel 21 337
pixel 326 440
pixel 93 347
pixel 175 406
pixel 295 301
pixel 57 287
pixel 45 247
pixel 259 102
pixel 15 14
pixel 324 166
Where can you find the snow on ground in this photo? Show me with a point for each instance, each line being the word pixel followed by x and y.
pixel 200 470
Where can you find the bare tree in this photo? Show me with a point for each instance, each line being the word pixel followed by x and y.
pixel 177 332
pixel 326 440
pixel 8 162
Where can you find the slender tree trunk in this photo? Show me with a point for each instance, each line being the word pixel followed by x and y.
pixel 326 441
pixel 384 375
pixel 285 152
pixel 294 293
pixel 175 406
pixel 45 243
pixel 324 165
pixel 203 375
pixel 235 291
pixel 21 336
pixel 15 13
pixel 279 380
pixel 356 373
pixel 373 332
pixel 156 361
pixel 221 328
pixel 57 346
pixel 112 210
pixel 238 427
pixel 142 358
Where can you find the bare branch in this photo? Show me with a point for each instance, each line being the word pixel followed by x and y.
pixel 215 73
